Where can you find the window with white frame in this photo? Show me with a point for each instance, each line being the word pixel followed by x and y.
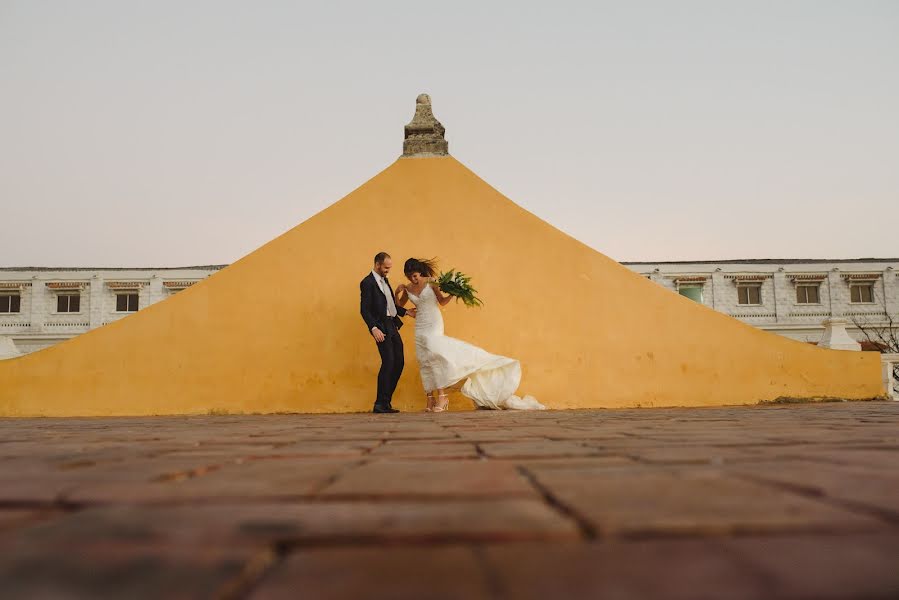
pixel 749 294
pixel 10 302
pixel 126 302
pixel 861 292
pixel 68 303
pixel 808 293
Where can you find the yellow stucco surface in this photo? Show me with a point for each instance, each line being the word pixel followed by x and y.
pixel 280 330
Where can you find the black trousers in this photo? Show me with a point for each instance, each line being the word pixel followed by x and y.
pixel 392 363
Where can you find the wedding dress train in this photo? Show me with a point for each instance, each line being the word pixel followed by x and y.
pixel 490 380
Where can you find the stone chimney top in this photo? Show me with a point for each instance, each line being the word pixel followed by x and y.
pixel 424 133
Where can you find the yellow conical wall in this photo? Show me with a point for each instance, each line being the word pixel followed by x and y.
pixel 280 330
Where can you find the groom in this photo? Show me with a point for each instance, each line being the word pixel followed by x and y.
pixel 382 317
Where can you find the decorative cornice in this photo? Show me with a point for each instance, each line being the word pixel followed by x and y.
pixel 14 285
pixel 748 278
pixel 67 285
pixel 178 285
pixel 678 279
pixel 125 285
pixel 807 277
pixel 861 276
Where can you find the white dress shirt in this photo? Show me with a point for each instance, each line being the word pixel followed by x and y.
pixel 391 305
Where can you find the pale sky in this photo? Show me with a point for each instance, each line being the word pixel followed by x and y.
pixel 172 133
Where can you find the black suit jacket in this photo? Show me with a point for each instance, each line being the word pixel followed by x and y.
pixel 373 305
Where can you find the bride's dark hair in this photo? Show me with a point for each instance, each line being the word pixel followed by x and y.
pixel 422 266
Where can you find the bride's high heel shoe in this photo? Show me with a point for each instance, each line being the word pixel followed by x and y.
pixel 431 403
pixel 442 403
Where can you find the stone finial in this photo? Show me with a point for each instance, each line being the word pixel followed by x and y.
pixel 424 133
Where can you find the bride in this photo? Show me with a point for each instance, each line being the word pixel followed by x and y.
pixel 490 380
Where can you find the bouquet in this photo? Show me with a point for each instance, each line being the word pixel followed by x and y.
pixel 457 284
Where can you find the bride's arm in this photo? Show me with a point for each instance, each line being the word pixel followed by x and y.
pixel 443 300
pixel 401 295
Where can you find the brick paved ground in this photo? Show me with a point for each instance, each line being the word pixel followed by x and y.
pixel 757 502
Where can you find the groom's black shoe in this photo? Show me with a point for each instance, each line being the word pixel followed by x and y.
pixel 380 408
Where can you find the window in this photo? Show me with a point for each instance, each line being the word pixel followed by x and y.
pixel 693 292
pixel 861 292
pixel 10 303
pixel 126 302
pixel 808 294
pixel 749 294
pixel 68 303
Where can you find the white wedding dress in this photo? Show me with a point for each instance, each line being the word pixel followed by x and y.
pixel 490 380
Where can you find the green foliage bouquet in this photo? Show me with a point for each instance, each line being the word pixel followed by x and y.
pixel 457 284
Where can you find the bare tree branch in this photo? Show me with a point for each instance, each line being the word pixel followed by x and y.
pixel 884 336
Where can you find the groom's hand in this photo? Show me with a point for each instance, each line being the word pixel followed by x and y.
pixel 377 334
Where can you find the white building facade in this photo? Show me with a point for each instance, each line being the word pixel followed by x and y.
pixel 40 307
pixel 789 297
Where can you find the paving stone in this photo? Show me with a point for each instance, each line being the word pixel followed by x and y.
pixel 378 573
pixel 588 462
pixel 54 481
pixel 698 454
pixel 536 449
pixel 117 571
pixel 12 518
pixel 265 523
pixel 640 502
pixel 258 478
pixel 823 567
pixel 878 490
pixel 868 458
pixel 431 478
pixel 829 436
pixel 493 435
pixel 279 450
pixel 692 438
pixel 417 450
pixel 664 569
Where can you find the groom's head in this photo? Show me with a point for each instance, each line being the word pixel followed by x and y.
pixel 383 263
